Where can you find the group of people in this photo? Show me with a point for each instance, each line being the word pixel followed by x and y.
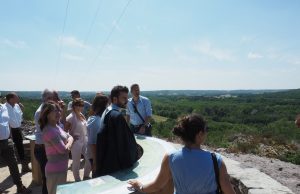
pixel 99 132
pixel 103 133
pixel 80 129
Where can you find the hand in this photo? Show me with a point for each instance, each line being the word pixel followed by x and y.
pixel 68 146
pixel 135 184
pixel 69 143
pixel 61 104
pixel 142 130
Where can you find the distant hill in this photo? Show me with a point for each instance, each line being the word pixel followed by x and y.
pixel 89 95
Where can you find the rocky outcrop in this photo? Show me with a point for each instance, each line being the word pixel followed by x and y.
pixel 252 181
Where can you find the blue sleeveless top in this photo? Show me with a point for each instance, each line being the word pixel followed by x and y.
pixel 193 171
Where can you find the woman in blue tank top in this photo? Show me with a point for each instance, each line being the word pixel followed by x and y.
pixel 191 169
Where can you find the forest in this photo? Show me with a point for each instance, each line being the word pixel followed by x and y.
pixel 261 124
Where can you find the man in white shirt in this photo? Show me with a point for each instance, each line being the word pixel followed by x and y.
pixel 7 151
pixel 15 121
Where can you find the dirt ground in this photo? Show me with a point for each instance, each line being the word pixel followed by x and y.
pixel 7 186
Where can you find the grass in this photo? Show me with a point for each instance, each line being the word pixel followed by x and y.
pixel 159 119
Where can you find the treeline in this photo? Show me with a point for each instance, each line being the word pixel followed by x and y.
pixel 266 118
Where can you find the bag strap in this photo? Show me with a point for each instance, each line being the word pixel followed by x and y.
pixel 137 112
pixel 217 174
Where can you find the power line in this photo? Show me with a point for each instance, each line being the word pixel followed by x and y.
pixel 60 41
pixel 93 22
pixel 108 36
pixel 91 26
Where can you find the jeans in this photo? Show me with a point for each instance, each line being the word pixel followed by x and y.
pixel 8 154
pixel 40 155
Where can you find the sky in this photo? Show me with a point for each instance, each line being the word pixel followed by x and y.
pixel 93 45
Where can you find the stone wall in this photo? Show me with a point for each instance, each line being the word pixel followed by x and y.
pixel 252 181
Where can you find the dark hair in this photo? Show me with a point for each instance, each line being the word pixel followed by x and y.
pixel 75 92
pixel 132 86
pixel 115 92
pixel 10 95
pixel 77 102
pixel 47 108
pixel 56 96
pixel 99 104
pixel 189 126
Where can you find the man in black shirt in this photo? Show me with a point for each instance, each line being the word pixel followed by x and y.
pixel 116 145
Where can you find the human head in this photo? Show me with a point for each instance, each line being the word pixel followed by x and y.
pixel 135 90
pixel 56 97
pixel 12 98
pixel 47 95
pixel 77 104
pixel 119 96
pixel 50 112
pixel 99 104
pixel 75 94
pixel 189 127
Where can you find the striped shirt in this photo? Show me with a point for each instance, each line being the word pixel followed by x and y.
pixel 55 140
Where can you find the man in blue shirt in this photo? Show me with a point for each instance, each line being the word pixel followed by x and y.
pixel 139 112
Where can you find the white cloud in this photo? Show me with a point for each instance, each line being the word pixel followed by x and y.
pixel 71 41
pixel 206 48
pixel 252 55
pixel 275 55
pixel 14 44
pixel 72 57
pixel 294 61
pixel 185 58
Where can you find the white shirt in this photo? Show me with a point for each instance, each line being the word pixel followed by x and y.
pixel 4 126
pixel 15 115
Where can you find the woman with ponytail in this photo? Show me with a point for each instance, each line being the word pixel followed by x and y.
pixel 191 169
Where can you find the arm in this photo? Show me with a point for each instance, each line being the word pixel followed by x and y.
pixel 70 141
pixel 57 143
pixel 224 180
pixel 164 176
pixel 68 126
pixel 148 111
